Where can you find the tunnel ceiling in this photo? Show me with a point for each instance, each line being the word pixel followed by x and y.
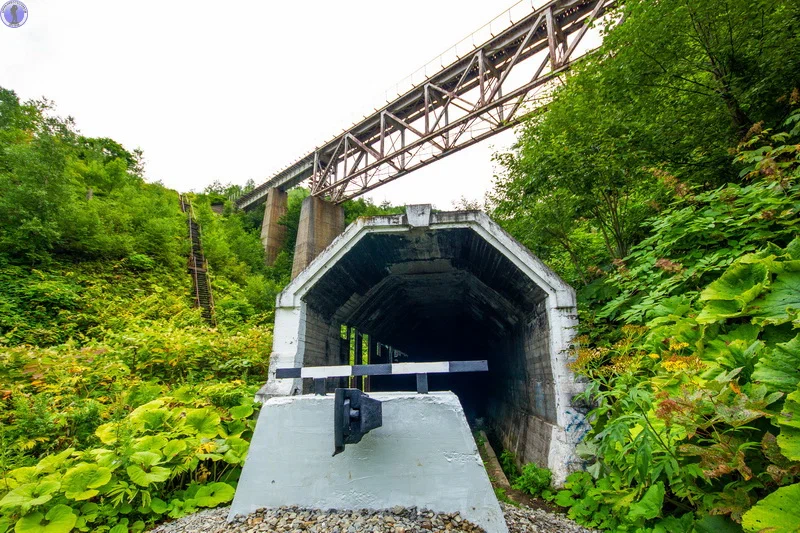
pixel 411 279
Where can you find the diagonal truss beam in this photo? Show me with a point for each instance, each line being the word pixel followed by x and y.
pixel 473 98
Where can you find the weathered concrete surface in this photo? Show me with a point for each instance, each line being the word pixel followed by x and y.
pixel 320 223
pixel 273 234
pixel 445 286
pixel 423 455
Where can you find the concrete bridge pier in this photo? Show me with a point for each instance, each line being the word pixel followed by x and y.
pixel 273 234
pixel 320 223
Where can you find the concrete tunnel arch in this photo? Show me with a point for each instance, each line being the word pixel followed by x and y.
pixel 445 286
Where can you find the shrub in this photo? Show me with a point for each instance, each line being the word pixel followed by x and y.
pixel 141 262
pixel 508 462
pixel 533 480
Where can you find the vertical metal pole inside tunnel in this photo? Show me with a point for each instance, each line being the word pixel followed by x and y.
pixel 357 356
pixel 346 355
pixel 371 359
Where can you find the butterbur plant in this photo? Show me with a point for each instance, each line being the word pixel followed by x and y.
pixel 703 419
pixel 693 362
pixel 168 457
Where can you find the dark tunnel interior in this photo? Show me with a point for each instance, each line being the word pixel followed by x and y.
pixel 451 336
pixel 440 295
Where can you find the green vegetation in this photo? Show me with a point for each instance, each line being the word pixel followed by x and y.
pixel 500 494
pixel 657 109
pixel 508 462
pixel 662 181
pixel 119 406
pixel 533 480
pixel 530 479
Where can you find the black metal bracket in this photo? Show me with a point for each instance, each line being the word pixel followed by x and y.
pixel 354 415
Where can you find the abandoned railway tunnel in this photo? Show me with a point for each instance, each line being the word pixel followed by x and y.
pixel 442 287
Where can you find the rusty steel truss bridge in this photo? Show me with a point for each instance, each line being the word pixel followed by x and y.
pixel 481 93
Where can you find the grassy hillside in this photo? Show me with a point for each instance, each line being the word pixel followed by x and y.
pixel 119 405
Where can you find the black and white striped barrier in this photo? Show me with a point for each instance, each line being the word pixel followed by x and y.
pixel 320 373
pixel 355 413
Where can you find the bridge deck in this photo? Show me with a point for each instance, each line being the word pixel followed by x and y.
pixel 467 101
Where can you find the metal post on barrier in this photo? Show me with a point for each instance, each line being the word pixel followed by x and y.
pixel 422 383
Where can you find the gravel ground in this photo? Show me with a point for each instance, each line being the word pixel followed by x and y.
pixel 394 520
pixel 525 519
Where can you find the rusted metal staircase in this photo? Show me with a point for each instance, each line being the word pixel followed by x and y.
pixel 198 266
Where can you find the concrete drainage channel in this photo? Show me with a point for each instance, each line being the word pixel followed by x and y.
pixel 370 442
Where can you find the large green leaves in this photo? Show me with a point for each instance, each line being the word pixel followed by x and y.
pixel 241 411
pixel 204 423
pixel 146 477
pixel 150 416
pixel 107 433
pixel 146 472
pixel 159 506
pixel 777 513
pixel 237 450
pixel 173 448
pixel 789 421
pixel 30 495
pixel 81 482
pixel 52 463
pixel 779 368
pixel 214 494
pixel 650 504
pixel 715 524
pixel 59 519
pixel 747 288
pixel 741 283
pixel 782 304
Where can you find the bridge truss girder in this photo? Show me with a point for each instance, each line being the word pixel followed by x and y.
pixel 473 98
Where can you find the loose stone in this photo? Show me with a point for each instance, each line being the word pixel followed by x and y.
pixel 395 520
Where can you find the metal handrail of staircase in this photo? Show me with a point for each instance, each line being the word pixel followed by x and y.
pixel 210 294
pixel 211 313
pixel 192 256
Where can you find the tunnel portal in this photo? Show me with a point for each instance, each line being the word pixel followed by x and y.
pixel 426 286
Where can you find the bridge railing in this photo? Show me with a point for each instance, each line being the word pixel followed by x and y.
pixel 484 90
pixel 465 46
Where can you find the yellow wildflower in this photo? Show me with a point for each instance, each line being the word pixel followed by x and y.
pixel 206 447
pixel 677 363
pixel 678 345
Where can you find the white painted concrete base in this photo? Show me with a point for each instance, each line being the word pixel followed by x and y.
pixel 423 456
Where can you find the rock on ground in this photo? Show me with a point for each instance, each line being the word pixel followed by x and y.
pixel 394 520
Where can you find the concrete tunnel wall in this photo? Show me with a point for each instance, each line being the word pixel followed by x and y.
pixel 445 286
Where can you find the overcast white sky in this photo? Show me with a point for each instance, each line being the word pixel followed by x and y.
pixel 235 90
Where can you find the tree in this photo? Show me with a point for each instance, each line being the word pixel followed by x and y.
pixel 654 111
